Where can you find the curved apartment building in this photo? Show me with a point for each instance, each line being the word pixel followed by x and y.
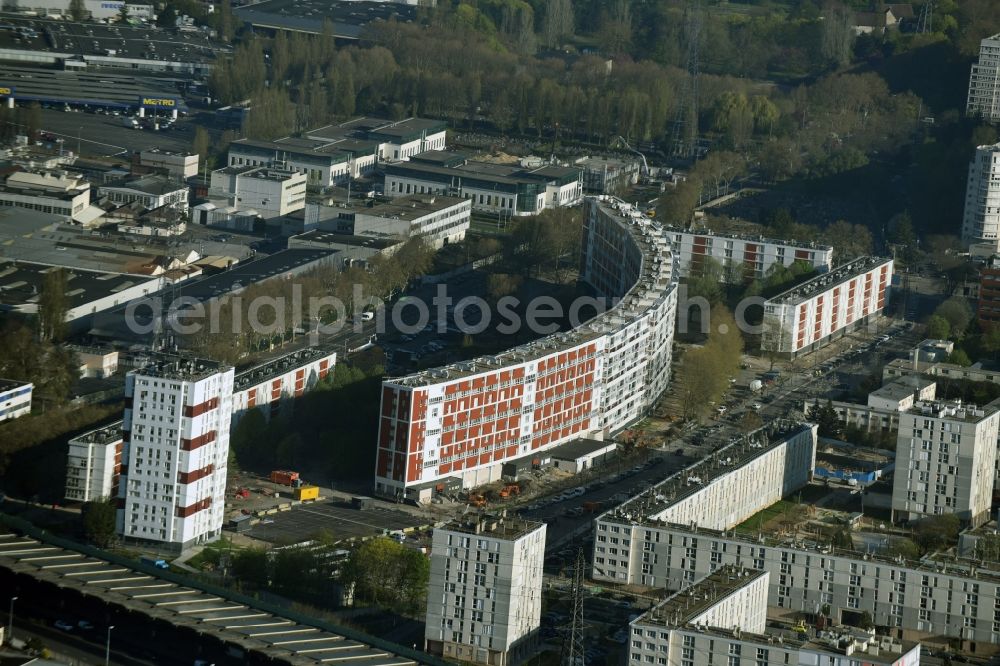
pixel 456 425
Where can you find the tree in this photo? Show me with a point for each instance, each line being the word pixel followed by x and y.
pixel 960 357
pixel 904 548
pixel 558 21
pixel 251 566
pixel 123 13
pixel 677 204
pixel 77 10
pixel 938 328
pixel 827 419
pixel 837 35
pixel 936 532
pixel 200 143
pixel 386 572
pixel 957 312
pixel 52 306
pixel 99 521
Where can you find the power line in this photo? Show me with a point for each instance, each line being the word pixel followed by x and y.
pixel 685 128
pixel 572 652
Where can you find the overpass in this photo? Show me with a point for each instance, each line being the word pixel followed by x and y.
pixel 259 632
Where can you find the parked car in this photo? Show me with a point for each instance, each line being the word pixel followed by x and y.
pixel 64 625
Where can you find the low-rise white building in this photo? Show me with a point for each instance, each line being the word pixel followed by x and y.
pixel 57 193
pixel 177 164
pixel 270 192
pixel 484 600
pixel 96 362
pixel 435 218
pixel 93 464
pixel 15 398
pixel 818 311
pixel 722 619
pixel 150 192
pixel 885 404
pixel 743 257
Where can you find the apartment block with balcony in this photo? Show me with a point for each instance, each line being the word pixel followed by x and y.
pixel 981 219
pixel 484 600
pixel 176 434
pixel 93 464
pixel 984 82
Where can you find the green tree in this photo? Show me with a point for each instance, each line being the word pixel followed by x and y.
pixel 960 357
pixel 77 10
pixel 936 532
pixel 388 573
pixel 99 521
pixel 676 205
pixel 938 328
pixel 123 13
pixel 904 548
pixel 53 305
pixel 826 418
pixel 251 566
pixel 957 312
pixel 201 143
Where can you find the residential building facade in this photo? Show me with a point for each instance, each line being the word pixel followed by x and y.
pixel 743 257
pixel 176 433
pixel 484 600
pixel 93 464
pixel 15 398
pixel 826 307
pixel 988 306
pixel 984 82
pixel 946 456
pixel 435 218
pixel 981 220
pixel 722 619
pixel 465 420
pixel 271 386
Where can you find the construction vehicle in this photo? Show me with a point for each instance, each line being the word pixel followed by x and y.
pixel 242 493
pixel 307 493
pixel 477 500
pixel 510 490
pixel 284 477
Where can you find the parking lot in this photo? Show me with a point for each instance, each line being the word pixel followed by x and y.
pixel 338 519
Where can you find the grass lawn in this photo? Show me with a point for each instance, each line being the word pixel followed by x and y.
pixel 210 554
pixel 765 516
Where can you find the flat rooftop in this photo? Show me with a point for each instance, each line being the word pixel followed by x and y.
pixel 952 411
pixel 10 384
pixel 789 243
pixel 683 607
pixel 155 185
pixel 348 18
pixel 106 434
pixel 579 448
pixel 262 372
pixel 149 42
pixel 829 280
pixel 285 262
pixel 495 526
pixel 656 500
pixel 175 366
pixel 902 388
pixel 21 283
pixel 654 284
pixel 86 87
pixel 334 239
pixel 413 207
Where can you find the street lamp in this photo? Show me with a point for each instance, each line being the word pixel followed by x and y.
pixel 10 620
pixel 107 647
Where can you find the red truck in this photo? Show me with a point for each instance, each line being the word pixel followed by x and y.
pixel 284 477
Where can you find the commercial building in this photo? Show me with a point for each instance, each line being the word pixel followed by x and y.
pixel 484 600
pixel 97 9
pixel 176 433
pixel 87 292
pixel 608 175
pixel 344 249
pixel 467 419
pixel 56 193
pixel 981 220
pixel 498 189
pixel 270 192
pixel 820 310
pixel 743 257
pixel 723 616
pixel 15 398
pixel 437 219
pixel 176 164
pixel 150 192
pixel 341 18
pixel 94 463
pixel 946 456
pixel 271 386
pixel 984 82
pixel 333 154
pixel 71 47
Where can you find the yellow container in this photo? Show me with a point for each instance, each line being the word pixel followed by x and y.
pixel 307 493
